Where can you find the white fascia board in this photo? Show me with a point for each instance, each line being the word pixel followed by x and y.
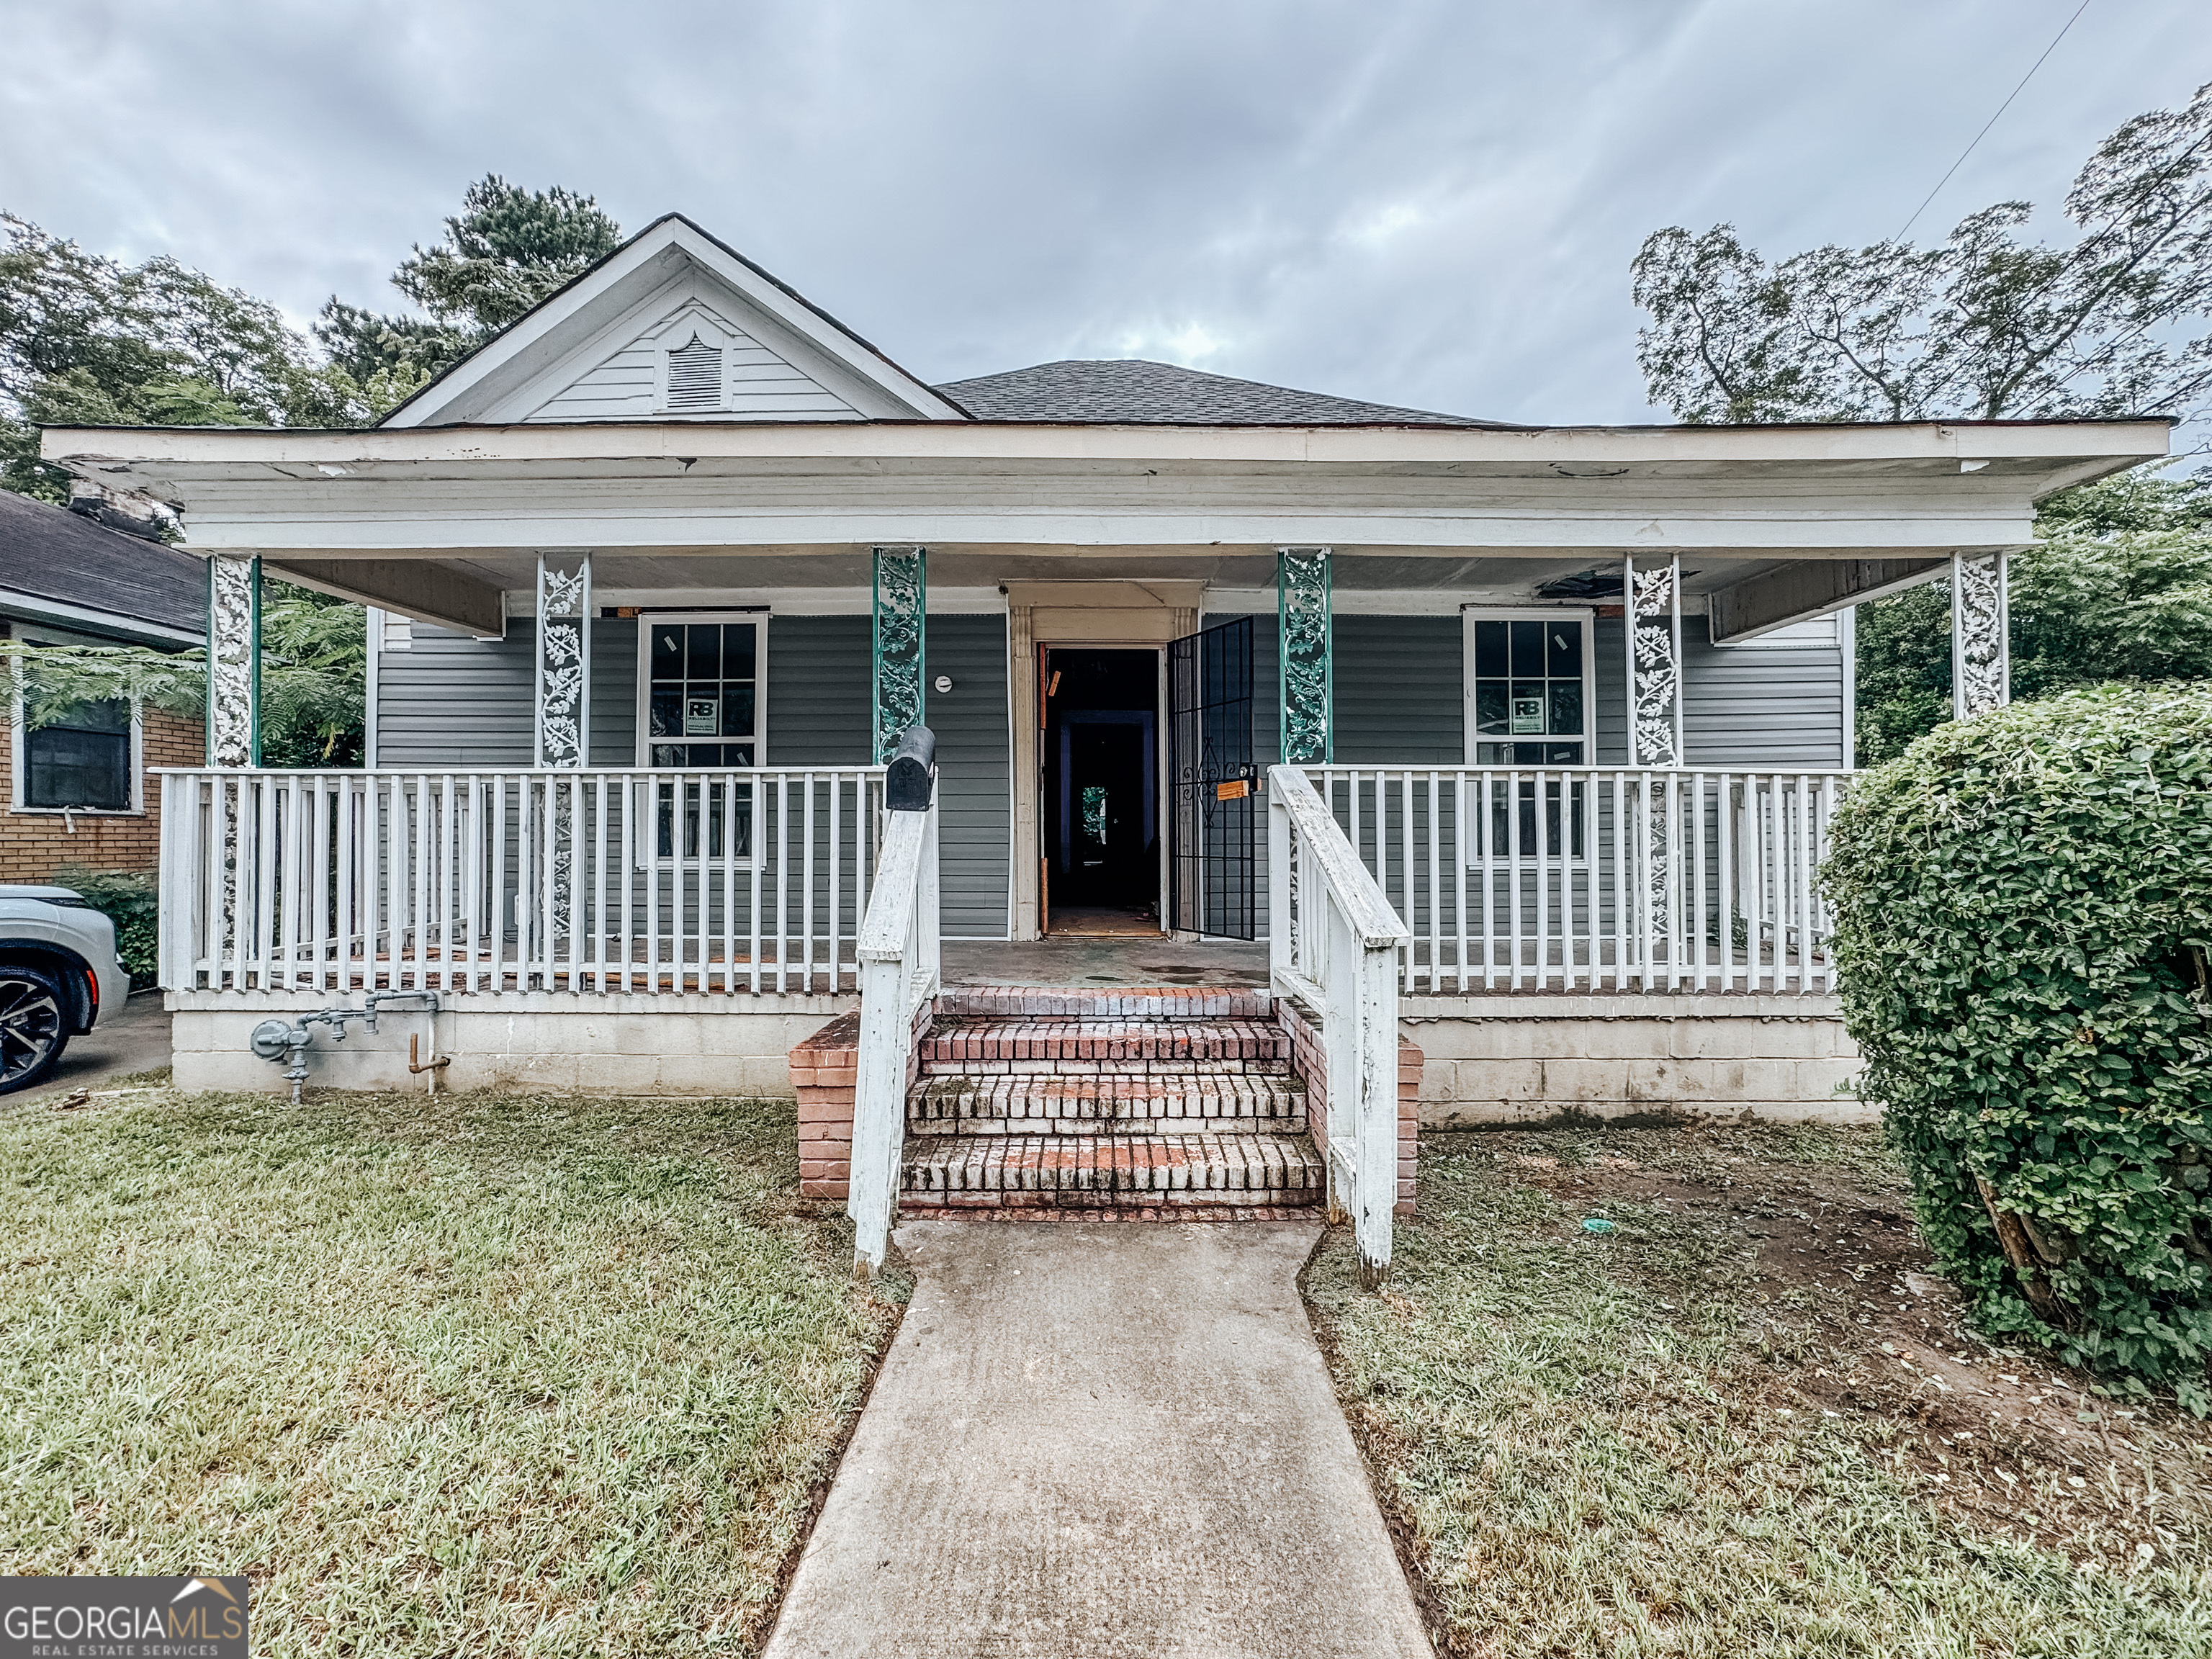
pixel 653 258
pixel 1561 534
pixel 1551 452
pixel 85 619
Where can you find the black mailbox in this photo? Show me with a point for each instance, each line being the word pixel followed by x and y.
pixel 914 763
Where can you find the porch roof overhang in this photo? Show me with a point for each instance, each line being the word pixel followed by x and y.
pixel 438 522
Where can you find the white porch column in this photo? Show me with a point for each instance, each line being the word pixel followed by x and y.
pixel 1654 611
pixel 1305 650
pixel 564 659
pixel 1981 636
pixel 233 655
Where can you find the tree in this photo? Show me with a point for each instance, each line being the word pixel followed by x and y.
pixel 1987 327
pixel 86 340
pixel 1984 326
pixel 314 663
pixel 505 250
pixel 2117 587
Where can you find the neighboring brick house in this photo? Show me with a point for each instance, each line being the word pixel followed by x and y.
pixel 80 792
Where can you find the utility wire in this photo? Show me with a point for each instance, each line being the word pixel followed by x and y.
pixel 1992 121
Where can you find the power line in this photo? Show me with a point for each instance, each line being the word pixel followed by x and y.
pixel 1992 121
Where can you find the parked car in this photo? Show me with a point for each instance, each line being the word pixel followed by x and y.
pixel 59 973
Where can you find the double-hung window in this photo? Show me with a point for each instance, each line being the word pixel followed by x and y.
pixel 701 680
pixel 1529 699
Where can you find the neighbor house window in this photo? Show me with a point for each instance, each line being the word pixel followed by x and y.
pixel 82 761
pixel 700 707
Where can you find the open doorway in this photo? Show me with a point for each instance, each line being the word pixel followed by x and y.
pixel 1102 814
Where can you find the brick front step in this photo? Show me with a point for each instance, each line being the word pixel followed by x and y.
pixel 1107 1002
pixel 1237 1103
pixel 977 1046
pixel 1111 1170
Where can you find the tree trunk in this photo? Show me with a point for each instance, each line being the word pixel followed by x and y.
pixel 2026 1264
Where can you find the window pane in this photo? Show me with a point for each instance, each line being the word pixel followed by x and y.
pixel 667 652
pixel 1565 754
pixel 705 656
pixel 1490 661
pixel 67 766
pixel 1490 705
pixel 667 716
pixel 1528 707
pixel 1565 658
pixel 737 651
pixel 1566 706
pixel 737 710
pixel 1527 646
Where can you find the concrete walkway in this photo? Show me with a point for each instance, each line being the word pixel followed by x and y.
pixel 1102 1438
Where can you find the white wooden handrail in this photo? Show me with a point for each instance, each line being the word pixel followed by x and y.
pixel 1333 941
pixel 899 973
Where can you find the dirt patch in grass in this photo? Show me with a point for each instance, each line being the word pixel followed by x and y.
pixel 444 1376
pixel 1749 1419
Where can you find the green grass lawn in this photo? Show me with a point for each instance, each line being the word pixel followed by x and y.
pixel 1747 1421
pixel 444 1376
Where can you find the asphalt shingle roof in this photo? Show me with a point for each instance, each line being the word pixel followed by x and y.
pixel 49 553
pixel 1134 391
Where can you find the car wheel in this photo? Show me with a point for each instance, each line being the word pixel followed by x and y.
pixel 34 1030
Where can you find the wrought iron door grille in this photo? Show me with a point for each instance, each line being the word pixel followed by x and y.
pixel 1213 783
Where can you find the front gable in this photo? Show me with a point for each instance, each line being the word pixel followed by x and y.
pixel 673 327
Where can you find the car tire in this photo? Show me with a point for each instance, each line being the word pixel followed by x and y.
pixel 34 1026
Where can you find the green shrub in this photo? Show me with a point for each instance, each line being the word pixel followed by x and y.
pixel 2024 906
pixel 127 899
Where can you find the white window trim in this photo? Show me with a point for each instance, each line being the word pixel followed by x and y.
pixel 19 753
pixel 641 754
pixel 1584 616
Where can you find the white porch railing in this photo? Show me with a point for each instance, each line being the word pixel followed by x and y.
pixel 899 973
pixel 1334 942
pixel 488 882
pixel 1599 878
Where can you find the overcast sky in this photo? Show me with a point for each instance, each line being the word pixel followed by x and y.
pixel 1421 203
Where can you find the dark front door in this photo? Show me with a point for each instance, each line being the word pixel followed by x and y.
pixel 1102 794
pixel 1214 782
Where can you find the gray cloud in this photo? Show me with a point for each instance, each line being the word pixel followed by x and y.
pixel 1420 202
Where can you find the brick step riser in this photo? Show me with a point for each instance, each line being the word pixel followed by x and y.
pixel 919 1182
pixel 1133 1165
pixel 1123 1002
pixel 1105 1125
pixel 1133 1070
pixel 1108 1205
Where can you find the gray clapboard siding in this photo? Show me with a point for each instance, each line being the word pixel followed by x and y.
pixel 974 831
pixel 1399 683
pixel 1776 700
pixel 614 691
pixel 453 701
pixel 820 690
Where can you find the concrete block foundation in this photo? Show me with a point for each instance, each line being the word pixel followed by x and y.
pixel 1526 1058
pixel 539 1042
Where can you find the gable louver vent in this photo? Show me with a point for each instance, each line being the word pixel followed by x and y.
pixel 695 376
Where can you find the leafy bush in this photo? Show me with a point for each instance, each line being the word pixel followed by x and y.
pixel 2024 908
pixel 127 899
